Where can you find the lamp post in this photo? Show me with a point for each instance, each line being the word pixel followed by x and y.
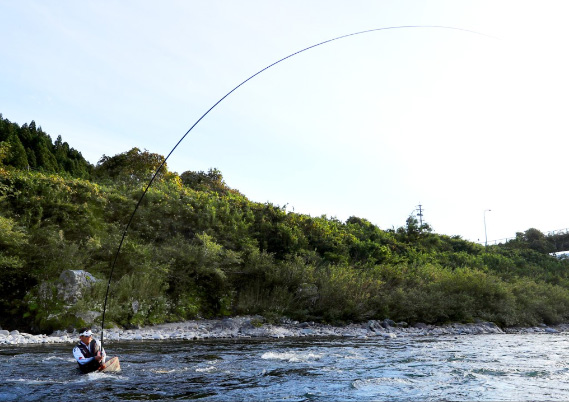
pixel 485 235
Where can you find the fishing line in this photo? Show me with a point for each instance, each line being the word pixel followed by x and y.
pixel 221 100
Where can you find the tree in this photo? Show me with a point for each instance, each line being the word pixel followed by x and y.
pixel 212 180
pixel 15 280
pixel 31 147
pixel 4 150
pixel 44 158
pixel 537 241
pixel 16 155
pixel 412 228
pixel 134 166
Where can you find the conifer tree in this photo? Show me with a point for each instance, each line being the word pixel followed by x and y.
pixel 16 154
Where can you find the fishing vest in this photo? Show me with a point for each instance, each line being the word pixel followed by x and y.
pixel 87 352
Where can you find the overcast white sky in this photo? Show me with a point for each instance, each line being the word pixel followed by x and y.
pixel 371 126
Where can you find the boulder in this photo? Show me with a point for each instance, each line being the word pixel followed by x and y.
pixel 374 325
pixel 492 328
pixel 89 317
pixel 228 325
pixel 387 323
pixel 73 283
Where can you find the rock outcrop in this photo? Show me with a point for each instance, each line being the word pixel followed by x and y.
pixel 73 283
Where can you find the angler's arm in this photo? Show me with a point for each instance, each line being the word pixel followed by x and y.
pixel 102 350
pixel 79 356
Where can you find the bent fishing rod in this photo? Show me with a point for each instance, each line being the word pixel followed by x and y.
pixel 221 100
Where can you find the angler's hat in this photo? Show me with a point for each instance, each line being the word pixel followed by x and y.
pixel 87 332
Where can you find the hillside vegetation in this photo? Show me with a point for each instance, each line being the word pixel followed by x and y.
pixel 197 248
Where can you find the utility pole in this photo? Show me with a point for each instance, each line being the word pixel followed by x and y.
pixel 485 235
pixel 420 215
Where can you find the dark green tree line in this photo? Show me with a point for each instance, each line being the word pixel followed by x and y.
pixel 29 147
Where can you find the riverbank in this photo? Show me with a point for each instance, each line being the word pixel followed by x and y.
pixel 255 327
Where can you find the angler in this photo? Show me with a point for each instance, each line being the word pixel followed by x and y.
pixel 89 353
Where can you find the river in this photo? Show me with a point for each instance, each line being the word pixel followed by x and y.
pixel 506 367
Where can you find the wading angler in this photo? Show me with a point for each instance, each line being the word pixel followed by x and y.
pixel 89 353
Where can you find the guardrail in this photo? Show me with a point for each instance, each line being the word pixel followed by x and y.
pixel 507 239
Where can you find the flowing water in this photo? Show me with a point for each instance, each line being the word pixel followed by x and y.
pixel 464 368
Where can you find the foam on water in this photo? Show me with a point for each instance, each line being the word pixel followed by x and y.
pixel 291 356
pixel 164 371
pixel 381 381
pixel 79 378
pixel 208 369
pixel 59 359
pixel 28 381
pixel 98 376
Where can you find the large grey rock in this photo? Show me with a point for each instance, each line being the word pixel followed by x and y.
pixel 387 323
pixel 492 328
pixel 89 317
pixel 73 283
pixel 227 324
pixel 373 324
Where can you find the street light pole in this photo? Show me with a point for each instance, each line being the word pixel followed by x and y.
pixel 485 235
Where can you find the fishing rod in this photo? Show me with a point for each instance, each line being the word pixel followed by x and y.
pixel 221 100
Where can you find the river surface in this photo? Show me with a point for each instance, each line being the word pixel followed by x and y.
pixel 459 368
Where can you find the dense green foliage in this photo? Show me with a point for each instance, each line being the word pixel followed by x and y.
pixel 28 147
pixel 197 248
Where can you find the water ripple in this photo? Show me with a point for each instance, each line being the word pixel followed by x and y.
pixel 466 368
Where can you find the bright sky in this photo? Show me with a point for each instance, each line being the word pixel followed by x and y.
pixel 372 125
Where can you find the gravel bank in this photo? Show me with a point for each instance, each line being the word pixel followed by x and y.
pixel 255 327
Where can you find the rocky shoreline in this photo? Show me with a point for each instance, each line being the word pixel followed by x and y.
pixel 256 327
